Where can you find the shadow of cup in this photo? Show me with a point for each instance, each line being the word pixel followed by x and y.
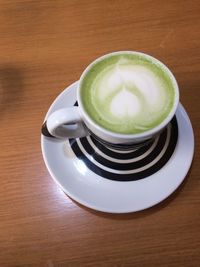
pixel 11 88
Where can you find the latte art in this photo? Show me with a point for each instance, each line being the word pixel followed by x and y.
pixel 127 94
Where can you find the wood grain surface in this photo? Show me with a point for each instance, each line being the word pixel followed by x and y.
pixel 44 47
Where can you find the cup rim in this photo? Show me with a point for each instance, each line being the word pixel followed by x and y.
pixel 144 134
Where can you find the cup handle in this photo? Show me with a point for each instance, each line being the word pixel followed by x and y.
pixel 66 123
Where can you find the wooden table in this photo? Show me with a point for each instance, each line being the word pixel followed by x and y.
pixel 44 47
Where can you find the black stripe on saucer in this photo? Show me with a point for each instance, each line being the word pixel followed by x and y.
pixel 126 166
pixel 128 155
pixel 142 172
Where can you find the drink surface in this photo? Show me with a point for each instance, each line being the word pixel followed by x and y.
pixel 127 93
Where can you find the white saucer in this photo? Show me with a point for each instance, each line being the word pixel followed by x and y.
pixel 99 193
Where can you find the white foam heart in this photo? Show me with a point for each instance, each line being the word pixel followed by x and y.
pixel 125 104
pixel 141 78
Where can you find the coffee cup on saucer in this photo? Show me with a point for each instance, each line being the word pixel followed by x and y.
pixel 124 100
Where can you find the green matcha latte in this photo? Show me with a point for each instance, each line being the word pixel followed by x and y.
pixel 127 93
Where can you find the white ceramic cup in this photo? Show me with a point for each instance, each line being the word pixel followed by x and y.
pixel 74 122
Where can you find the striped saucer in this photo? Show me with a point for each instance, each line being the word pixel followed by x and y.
pixel 119 181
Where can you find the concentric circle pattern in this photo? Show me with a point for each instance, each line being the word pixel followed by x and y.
pixel 123 165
